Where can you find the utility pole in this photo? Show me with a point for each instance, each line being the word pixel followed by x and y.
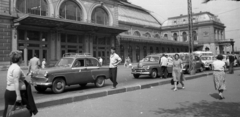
pixel 190 30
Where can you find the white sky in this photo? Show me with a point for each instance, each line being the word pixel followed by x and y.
pixel 228 12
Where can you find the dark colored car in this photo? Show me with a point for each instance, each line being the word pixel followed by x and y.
pixel 70 70
pixel 197 64
pixel 150 66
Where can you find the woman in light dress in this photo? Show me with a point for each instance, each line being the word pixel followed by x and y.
pixel 219 67
pixel 177 72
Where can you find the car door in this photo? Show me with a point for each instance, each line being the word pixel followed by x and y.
pixel 93 68
pixel 80 72
pixel 198 63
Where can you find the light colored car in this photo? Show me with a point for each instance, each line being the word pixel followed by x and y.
pixel 70 70
pixel 208 60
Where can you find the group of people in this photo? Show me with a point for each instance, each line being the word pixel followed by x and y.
pixel 17 87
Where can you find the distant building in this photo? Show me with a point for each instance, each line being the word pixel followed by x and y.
pixel 208 31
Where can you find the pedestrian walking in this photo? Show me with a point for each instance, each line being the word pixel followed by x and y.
pixel 100 61
pixel 44 63
pixel 219 75
pixel 33 65
pixel 114 61
pixel 163 63
pixel 17 90
pixel 177 72
pixel 231 63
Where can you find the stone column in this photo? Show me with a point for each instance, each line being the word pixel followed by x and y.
pixel 86 44
pixel 15 36
pixel 58 45
pixel 52 46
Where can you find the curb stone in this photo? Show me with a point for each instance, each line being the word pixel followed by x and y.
pixel 109 92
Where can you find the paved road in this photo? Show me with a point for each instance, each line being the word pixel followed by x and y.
pixel 199 99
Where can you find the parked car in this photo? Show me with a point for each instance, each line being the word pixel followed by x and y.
pixel 197 63
pixel 70 70
pixel 208 60
pixel 150 66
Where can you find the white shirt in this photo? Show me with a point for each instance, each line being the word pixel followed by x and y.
pixel 15 72
pixel 218 65
pixel 114 58
pixel 164 61
pixel 100 60
pixel 43 64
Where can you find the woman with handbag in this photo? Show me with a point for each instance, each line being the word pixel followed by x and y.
pixel 16 88
pixel 177 72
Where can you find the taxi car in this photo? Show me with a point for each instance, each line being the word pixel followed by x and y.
pixel 150 66
pixel 208 60
pixel 71 69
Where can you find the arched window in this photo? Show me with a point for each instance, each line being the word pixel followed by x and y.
pixel 37 7
pixel 151 50
pixel 100 16
pixel 184 36
pixel 157 36
pixel 194 35
pixel 70 10
pixel 147 35
pixel 175 37
pixel 136 33
pixel 165 36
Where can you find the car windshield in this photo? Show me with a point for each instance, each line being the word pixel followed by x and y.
pixel 65 62
pixel 206 58
pixel 151 59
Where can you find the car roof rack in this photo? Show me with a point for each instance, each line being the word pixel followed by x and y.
pixel 76 54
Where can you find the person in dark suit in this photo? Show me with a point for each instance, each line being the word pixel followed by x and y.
pixel 231 63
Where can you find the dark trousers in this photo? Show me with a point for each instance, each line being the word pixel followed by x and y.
pixel 10 99
pixel 231 67
pixel 163 71
pixel 113 76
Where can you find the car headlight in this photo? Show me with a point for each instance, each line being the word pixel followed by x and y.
pixel 46 73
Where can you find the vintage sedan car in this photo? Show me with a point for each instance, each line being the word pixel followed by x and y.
pixel 208 60
pixel 150 66
pixel 197 64
pixel 70 70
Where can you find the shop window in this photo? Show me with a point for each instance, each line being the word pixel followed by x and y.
pixel 145 51
pixel 157 50
pixel 33 36
pixel 36 7
pixel 63 38
pixel 72 38
pixel 122 51
pixel 163 49
pixel 136 33
pixel 21 35
pixel 151 50
pixel 70 10
pixel 100 16
pixel 137 53
pixel 184 36
pixel 175 37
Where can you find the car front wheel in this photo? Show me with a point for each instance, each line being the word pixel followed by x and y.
pixel 201 69
pixel 100 81
pixel 58 85
pixel 154 73
pixel 40 89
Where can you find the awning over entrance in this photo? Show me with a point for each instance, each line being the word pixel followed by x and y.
pixel 49 22
pixel 153 40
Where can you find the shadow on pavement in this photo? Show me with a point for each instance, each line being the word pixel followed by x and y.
pixel 202 109
pixel 215 95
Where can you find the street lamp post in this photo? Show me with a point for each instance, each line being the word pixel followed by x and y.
pixel 190 23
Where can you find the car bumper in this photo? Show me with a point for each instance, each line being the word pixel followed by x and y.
pixel 141 73
pixel 47 84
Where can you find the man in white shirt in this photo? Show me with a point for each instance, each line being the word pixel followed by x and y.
pixel 34 64
pixel 114 61
pixel 163 63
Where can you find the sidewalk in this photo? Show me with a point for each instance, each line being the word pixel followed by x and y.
pixel 198 99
